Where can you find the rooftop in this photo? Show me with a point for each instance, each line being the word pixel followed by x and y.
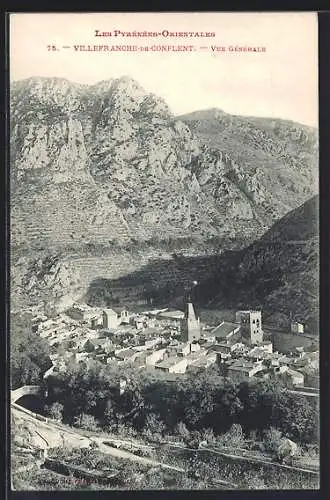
pixel 110 312
pixel 292 373
pixel 126 329
pixel 224 329
pixel 151 331
pixel 167 363
pixel 172 314
pixel 308 370
pixel 99 341
pixel 241 364
pixel 126 353
pixel 154 312
pixel 248 311
pixel 217 347
pixel 285 359
pixel 258 351
pixel 108 331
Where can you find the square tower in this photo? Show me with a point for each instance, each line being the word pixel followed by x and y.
pixel 110 318
pixel 251 326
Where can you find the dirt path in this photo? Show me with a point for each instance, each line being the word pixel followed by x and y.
pixel 115 452
pixel 59 435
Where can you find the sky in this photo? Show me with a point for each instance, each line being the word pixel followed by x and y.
pixel 281 82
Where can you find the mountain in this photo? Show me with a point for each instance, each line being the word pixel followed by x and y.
pixel 280 157
pixel 105 177
pixel 279 272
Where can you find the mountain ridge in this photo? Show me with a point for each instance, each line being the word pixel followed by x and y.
pixel 109 165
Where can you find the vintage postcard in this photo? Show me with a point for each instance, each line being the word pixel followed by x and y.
pixel 164 245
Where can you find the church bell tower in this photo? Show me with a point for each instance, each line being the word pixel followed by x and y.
pixel 191 327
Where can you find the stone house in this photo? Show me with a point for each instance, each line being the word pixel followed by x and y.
pixel 155 357
pixel 128 354
pixel 173 365
pixel 102 344
pixel 241 369
pixel 224 332
pixel 297 327
pixel 311 376
pixel 293 378
pixel 140 323
pixel 184 350
pixel 257 354
pixel 175 316
pixel 150 344
pixel 203 360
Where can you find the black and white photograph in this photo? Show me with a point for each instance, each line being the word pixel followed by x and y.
pixel 164 251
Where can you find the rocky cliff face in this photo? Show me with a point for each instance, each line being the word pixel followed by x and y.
pixel 274 163
pixel 109 164
pixel 46 280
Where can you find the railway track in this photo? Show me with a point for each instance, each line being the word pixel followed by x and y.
pixel 247 458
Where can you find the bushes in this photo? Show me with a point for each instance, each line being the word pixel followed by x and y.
pixel 272 440
pixel 312 450
pixel 182 432
pixel 29 354
pixel 153 428
pixel 233 438
pixel 126 431
pixel 253 481
pixel 206 404
pixel 55 411
pixel 85 421
pixel 208 436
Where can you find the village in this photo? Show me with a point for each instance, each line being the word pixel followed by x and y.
pixel 175 342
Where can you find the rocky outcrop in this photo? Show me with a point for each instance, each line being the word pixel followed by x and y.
pixel 47 279
pixel 279 159
pixel 132 170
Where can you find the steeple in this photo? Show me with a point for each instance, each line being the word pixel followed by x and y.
pixel 191 324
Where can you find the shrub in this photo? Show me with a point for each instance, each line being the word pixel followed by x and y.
pixel 55 411
pixel 272 440
pixel 312 450
pixel 253 442
pixel 253 481
pixel 195 439
pixel 153 428
pixel 126 430
pixel 208 435
pixel 86 421
pixel 233 438
pixel 182 432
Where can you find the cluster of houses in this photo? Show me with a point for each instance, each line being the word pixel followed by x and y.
pixel 175 342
